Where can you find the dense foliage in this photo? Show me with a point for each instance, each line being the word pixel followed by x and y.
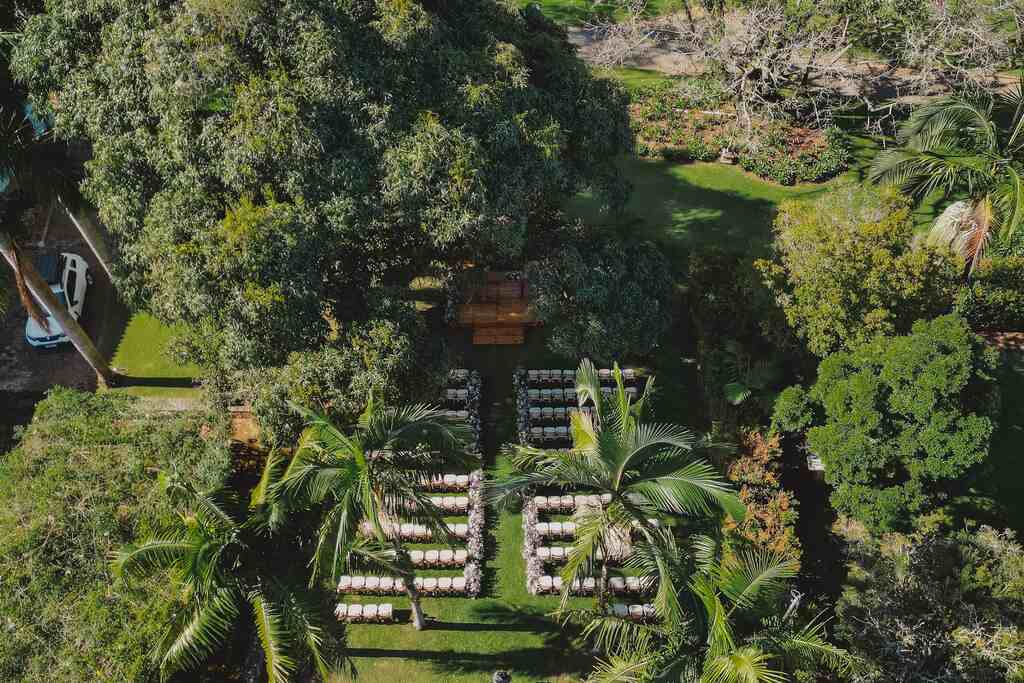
pixel 81 483
pixel 670 121
pixel 898 422
pixel 263 165
pixel 844 269
pixel 603 298
pixel 994 298
pixel 390 356
pixel 936 608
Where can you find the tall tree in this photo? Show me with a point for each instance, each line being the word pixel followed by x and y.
pixel 742 630
pixel 372 478
pixel 964 146
pixel 649 470
pixel 261 166
pixel 228 566
pixel 900 423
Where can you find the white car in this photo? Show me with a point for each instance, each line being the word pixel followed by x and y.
pixel 68 277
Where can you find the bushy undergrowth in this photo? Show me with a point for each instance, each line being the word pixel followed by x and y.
pixel 81 483
pixel 691 122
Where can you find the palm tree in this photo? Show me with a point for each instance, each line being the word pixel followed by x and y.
pixel 741 630
pixel 965 146
pixel 372 477
pixel 228 566
pixel 649 471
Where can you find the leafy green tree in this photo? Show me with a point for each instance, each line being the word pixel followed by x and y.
pixel 936 607
pixel 844 269
pixel 741 631
pixel 994 297
pixel 264 166
pixel 373 475
pixel 392 356
pixel 77 486
pixel 964 145
pixel 650 472
pixel 603 298
pixel 900 422
pixel 228 566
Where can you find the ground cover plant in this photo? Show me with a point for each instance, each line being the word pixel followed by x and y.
pixel 81 482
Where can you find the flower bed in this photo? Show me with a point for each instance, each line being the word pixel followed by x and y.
pixel 667 124
pixel 476 539
pixel 534 565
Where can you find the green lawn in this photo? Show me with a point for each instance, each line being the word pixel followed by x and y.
pixel 579 12
pixel 149 370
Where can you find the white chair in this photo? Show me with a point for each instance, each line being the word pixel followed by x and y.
pixel 633 584
pixel 461 556
pixel 616 584
pixel 386 612
pixel 548 413
pixel 544 375
pixel 387 584
pixel 543 553
pixel 536 413
pixel 606 498
pixel 462 414
pixel 567 502
pixel 431 557
pixel 355 612
pixel 462 395
pixel 628 374
pixel 372 584
pixel 462 481
pixel 556 376
pixel 370 612
pixel 449 480
pixel 444 584
pixel 459 584
pixel 358 583
pixel 604 373
pixel 636 612
pixel 450 394
pixel 462 503
pixel 568 376
pixel 619 610
pixel 541 502
pixel 557 553
pixel 589 584
pixel 569 528
pixel 537 433
pixel 416 556
pixel 562 432
pixel 546 583
pixel 545 396
pixel 344 584
pixel 532 376
pixel 570 394
pixel 550 434
pixel 399 585
pixel 534 395
pixel 649 612
pixel 542 528
pixel 555 528
pixel 556 584
pixel 446 557
pixel 430 585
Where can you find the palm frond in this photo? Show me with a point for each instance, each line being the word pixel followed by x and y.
pixel 754 577
pixel 588 387
pixel 742 665
pixel 153 555
pixel 632 668
pixel 199 632
pixel 272 630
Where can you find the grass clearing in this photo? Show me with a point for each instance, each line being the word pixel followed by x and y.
pixel 142 356
pixel 579 12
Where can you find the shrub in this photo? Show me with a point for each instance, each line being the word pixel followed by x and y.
pixel 994 299
pixel 391 355
pixel 844 270
pixel 81 484
pixel 771 509
pixel 603 298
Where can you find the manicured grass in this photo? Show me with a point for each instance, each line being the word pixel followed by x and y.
pixel 579 12
pixel 143 358
pixel 635 79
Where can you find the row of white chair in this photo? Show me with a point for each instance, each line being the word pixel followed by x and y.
pixel 365 613
pixel 587 586
pixel 556 529
pixel 386 585
pixel 439 558
pixel 414 532
pixel 556 414
pixel 569 376
pixel 457 414
pixel 556 554
pixel 549 433
pixel 568 395
pixel 457 395
pixel 643 612
pixel 447 482
pixel 569 503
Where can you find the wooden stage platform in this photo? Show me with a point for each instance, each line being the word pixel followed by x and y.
pixel 498 312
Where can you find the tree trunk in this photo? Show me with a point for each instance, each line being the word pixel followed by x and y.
pixel 409 579
pixel 91 234
pixel 42 292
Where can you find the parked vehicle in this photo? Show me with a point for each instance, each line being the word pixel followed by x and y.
pixel 68 277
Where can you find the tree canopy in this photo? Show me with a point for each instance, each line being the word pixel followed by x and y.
pixel 898 422
pixel 845 269
pixel 262 165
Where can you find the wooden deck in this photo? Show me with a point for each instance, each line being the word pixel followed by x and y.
pixel 498 312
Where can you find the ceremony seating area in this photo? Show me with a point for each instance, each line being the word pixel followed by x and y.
pixel 546 401
pixel 460 500
pixel 379 614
